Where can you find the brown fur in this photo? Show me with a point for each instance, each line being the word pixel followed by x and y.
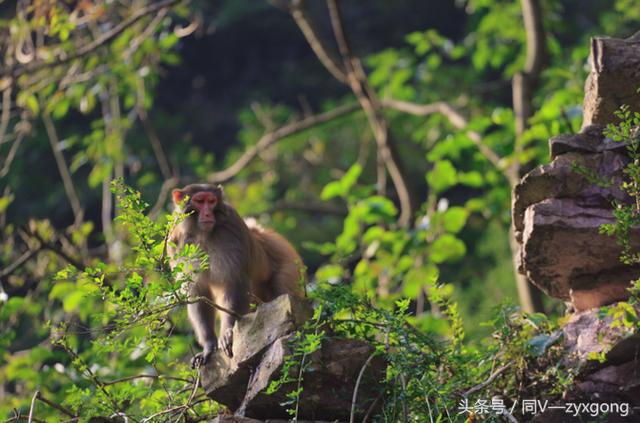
pixel 246 264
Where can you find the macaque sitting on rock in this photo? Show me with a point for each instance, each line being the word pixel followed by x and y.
pixel 246 263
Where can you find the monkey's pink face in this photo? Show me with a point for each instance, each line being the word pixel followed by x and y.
pixel 205 204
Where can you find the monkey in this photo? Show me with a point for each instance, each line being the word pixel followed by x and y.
pixel 247 263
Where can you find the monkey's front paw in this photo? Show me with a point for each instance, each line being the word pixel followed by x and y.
pixel 225 343
pixel 202 358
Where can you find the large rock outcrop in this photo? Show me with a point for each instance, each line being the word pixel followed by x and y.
pixel 558 210
pixel 614 78
pixel 557 213
pixel 263 342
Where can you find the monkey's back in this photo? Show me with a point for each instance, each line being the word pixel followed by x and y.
pixel 287 269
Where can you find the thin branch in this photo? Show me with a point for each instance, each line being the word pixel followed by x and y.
pixel 69 188
pixel 299 13
pixel 6 112
pixel 33 406
pixel 323 208
pixel 144 376
pixel 18 418
pixel 166 187
pixel 163 412
pixel 44 245
pixel 188 405
pixel 455 118
pixel 15 71
pixel 370 103
pixel 536 49
pixel 487 382
pixel 26 256
pixel 354 397
pixel 156 145
pixel 58 407
pixel 11 155
pixel 92 376
pixel 524 82
pixel 272 137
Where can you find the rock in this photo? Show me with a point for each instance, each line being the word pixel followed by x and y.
pixel 225 379
pixel 561 179
pixel 558 209
pixel 587 333
pixel 614 79
pixel 269 322
pixel 328 381
pixel 589 140
pixel 613 386
pixel 261 348
pixel 565 255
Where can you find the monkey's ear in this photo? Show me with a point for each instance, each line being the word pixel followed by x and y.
pixel 178 196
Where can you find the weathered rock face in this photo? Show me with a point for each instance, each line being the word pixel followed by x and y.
pixel 261 347
pixel 616 380
pixel 557 212
pixel 614 78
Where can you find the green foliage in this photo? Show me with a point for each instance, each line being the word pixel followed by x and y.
pixel 128 364
pixel 428 375
pixel 627 215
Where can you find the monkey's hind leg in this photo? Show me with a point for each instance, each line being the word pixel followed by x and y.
pixel 203 319
pixel 236 299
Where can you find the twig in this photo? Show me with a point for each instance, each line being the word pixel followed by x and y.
pixel 27 255
pixel 19 417
pixel 156 145
pixel 63 58
pixel 33 406
pixel 509 416
pixel 310 207
pixel 6 112
pixel 92 376
pixel 144 376
pixel 487 382
pixel 163 412
pixel 69 188
pixel 298 11
pixel 355 389
pixel 272 137
pixel 166 187
pixel 372 407
pixel 47 246
pixel 58 407
pixel 188 404
pixel 455 118
pixel 12 153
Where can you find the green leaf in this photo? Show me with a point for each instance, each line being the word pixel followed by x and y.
pixel 61 289
pixel 4 202
pixel 351 177
pixel 442 176
pixel 473 179
pixel 331 190
pixel 454 219
pixel 418 278
pixel 447 248
pixel 72 301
